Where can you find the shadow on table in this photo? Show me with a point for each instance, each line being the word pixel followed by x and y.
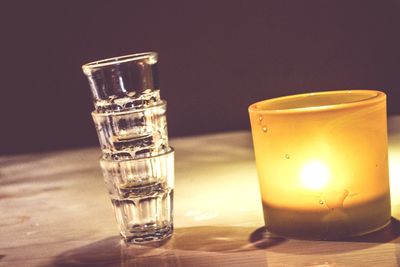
pixel 388 234
pixel 188 246
pixel 261 238
pixel 200 245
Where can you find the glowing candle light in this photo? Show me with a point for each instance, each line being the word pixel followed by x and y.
pixel 322 163
pixel 314 175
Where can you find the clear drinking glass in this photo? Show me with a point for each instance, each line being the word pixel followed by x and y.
pixel 141 192
pixel 133 133
pixel 124 82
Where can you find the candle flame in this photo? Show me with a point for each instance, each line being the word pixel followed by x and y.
pixel 314 175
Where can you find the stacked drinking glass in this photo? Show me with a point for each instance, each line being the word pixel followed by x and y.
pixel 137 162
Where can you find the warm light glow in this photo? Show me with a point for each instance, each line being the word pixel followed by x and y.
pixel 322 163
pixel 314 175
pixel 394 174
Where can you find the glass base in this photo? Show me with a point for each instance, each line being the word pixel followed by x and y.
pixel 332 224
pixel 148 234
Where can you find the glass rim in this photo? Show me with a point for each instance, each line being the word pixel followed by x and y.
pixel 171 150
pixel 162 103
pixel 119 60
pixel 372 96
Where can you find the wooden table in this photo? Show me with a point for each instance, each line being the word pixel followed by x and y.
pixel 55 212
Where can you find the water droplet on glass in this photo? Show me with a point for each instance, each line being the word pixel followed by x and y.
pixel 287 156
pixel 260 119
pixel 265 129
pixel 321 202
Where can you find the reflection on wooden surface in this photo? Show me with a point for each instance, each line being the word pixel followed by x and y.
pixel 225 246
pixel 56 212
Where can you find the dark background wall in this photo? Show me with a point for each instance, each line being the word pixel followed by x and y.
pixel 216 57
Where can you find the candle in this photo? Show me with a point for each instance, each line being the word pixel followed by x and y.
pixel 322 163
